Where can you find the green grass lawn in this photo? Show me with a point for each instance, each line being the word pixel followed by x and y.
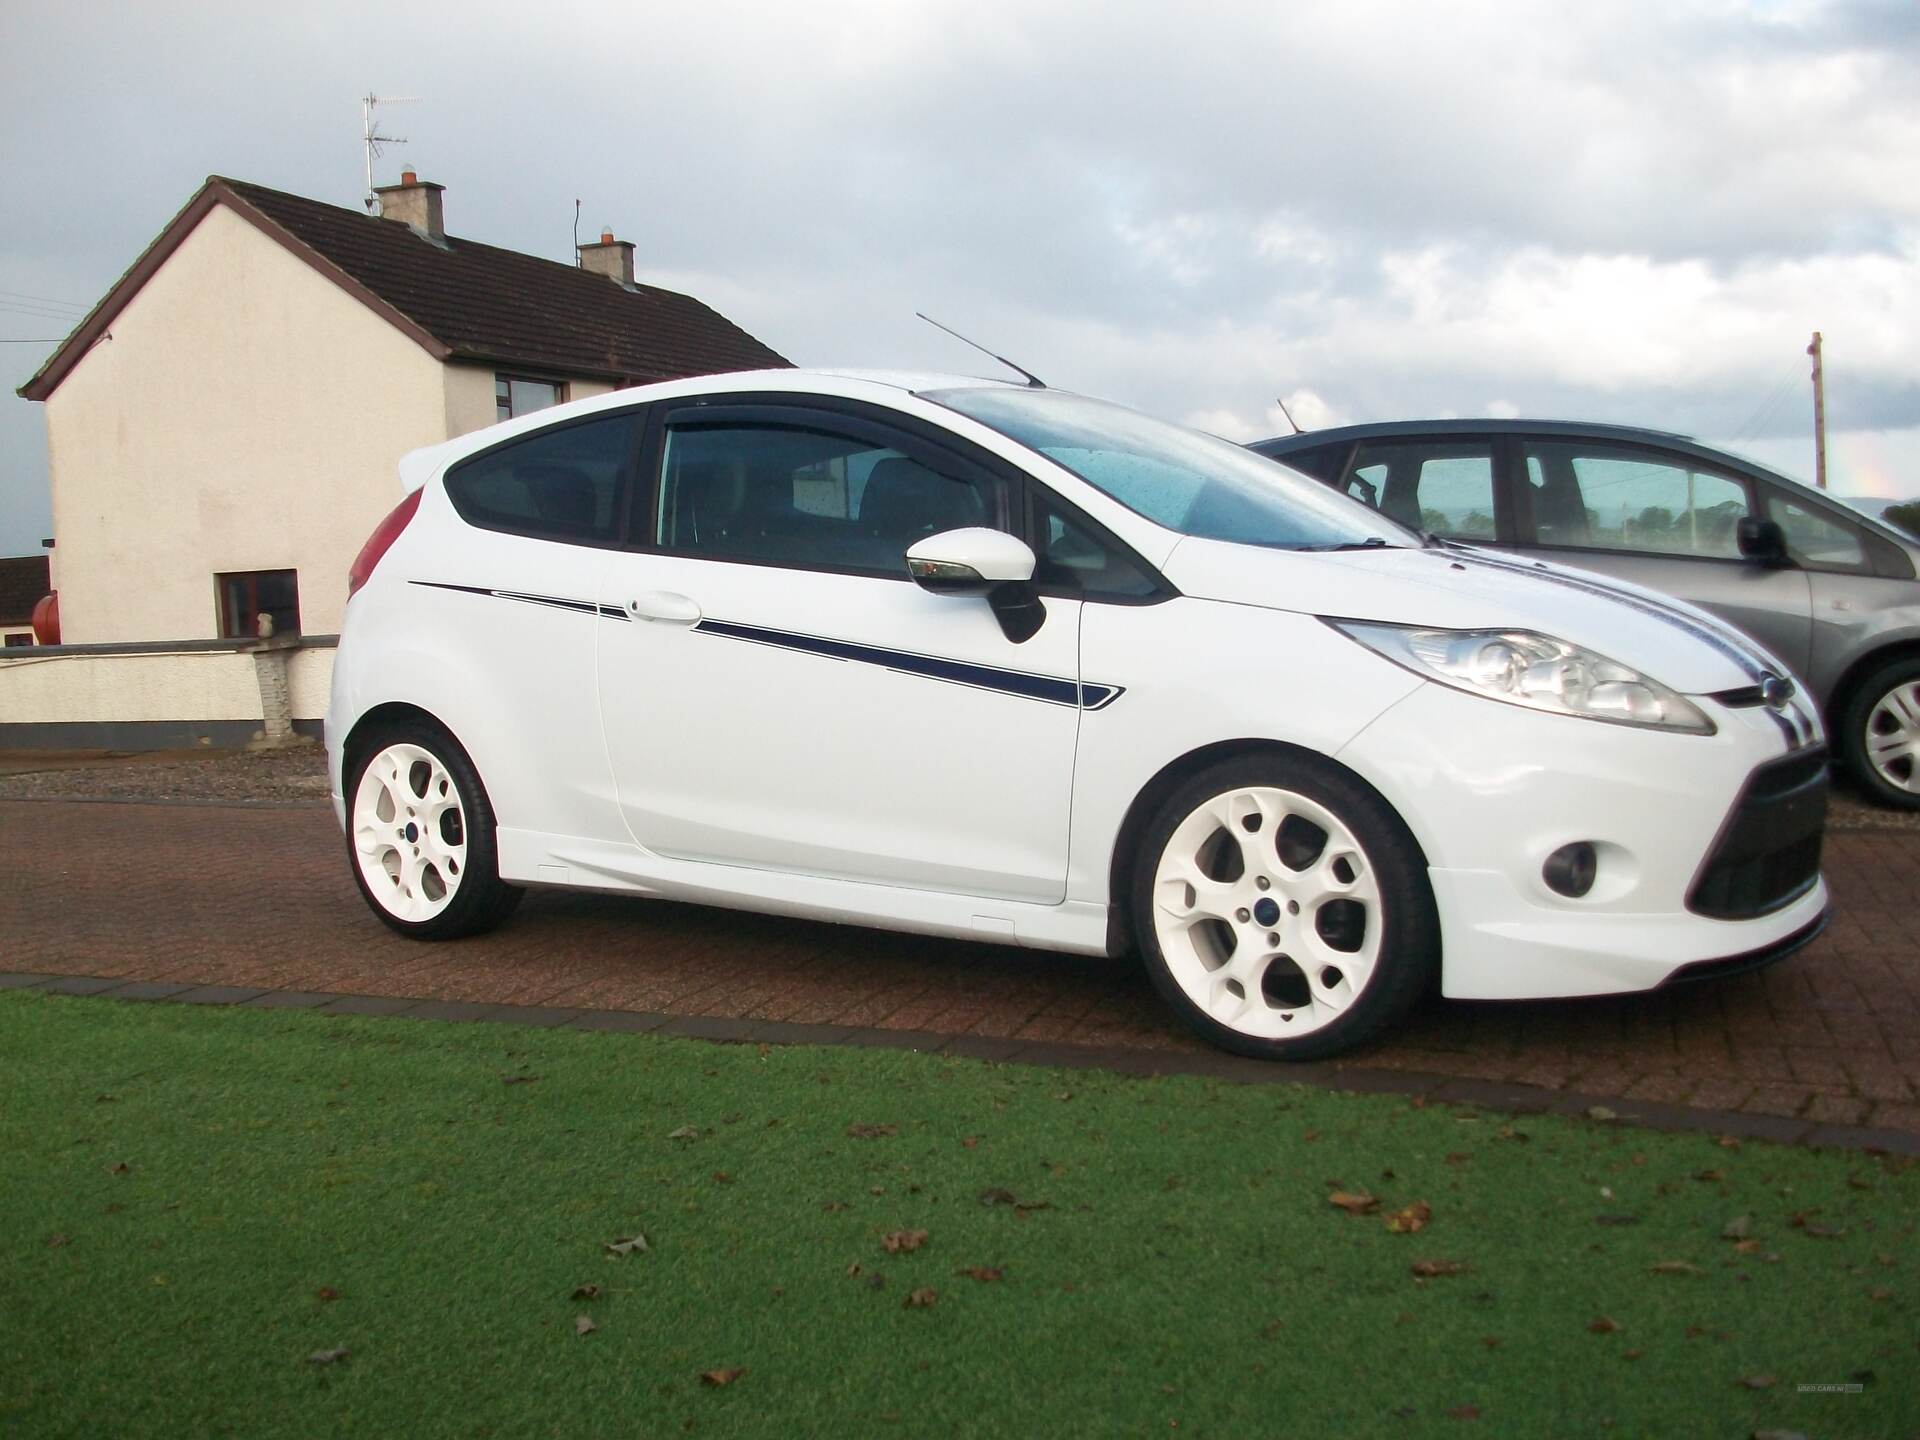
pixel 194 1202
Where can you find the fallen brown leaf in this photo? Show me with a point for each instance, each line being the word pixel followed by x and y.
pixel 871 1132
pixel 1431 1269
pixel 989 1273
pixel 326 1293
pixel 1603 1326
pixel 1880 1293
pixel 54 1242
pixel 120 1169
pixel 1458 1157
pixel 1601 1112
pixel 1673 1267
pixel 834 1205
pixel 1412 1220
pixel 329 1357
pixel 685 1132
pixel 902 1242
pixel 1748 1247
pixel 1759 1382
pixel 1464 1412
pixel 583 1325
pixel 853 1269
pixel 722 1377
pixel 1710 1176
pixel 971 1142
pixel 920 1299
pixel 1354 1204
pixel 721 1177
pixel 1738 1228
pixel 994 1195
pixel 585 1292
pixel 518 1079
pixel 628 1245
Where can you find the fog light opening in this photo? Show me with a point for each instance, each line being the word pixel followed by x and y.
pixel 1571 870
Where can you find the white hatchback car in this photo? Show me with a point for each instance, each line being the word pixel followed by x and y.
pixel 1000 662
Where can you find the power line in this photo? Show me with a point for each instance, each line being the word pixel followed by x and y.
pixel 43 299
pixel 53 341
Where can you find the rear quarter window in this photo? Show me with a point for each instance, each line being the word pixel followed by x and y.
pixel 564 483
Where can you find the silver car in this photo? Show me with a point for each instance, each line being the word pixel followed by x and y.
pixel 1831 592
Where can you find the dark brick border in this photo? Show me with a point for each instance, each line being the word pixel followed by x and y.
pixel 1437 1089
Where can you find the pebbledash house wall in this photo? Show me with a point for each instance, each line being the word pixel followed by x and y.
pixel 245 414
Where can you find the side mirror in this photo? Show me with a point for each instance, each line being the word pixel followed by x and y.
pixel 970 561
pixel 979 561
pixel 1763 542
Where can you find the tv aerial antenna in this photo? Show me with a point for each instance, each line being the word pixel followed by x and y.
pixel 370 135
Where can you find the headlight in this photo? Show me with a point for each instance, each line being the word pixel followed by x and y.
pixel 1538 671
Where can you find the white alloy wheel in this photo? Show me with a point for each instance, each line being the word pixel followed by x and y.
pixel 409 832
pixel 1893 737
pixel 1267 910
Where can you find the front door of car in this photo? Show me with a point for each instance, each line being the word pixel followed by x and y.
pixel 1663 520
pixel 782 694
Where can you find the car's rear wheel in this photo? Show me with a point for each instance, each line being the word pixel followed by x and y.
pixel 420 835
pixel 1880 734
pixel 1283 908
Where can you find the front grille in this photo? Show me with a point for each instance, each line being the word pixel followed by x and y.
pixel 1768 852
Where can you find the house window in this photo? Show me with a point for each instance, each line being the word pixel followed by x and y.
pixel 516 395
pixel 248 595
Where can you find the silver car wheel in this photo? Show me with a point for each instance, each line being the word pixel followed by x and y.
pixel 1893 737
pixel 1268 912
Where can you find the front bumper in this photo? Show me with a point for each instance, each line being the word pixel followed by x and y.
pixel 1491 790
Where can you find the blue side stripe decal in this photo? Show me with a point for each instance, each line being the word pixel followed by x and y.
pixel 1049 689
pixel 555 602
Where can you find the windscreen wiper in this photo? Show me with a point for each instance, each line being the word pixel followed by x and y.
pixel 1372 542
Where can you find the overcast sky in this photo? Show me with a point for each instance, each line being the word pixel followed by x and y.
pixel 1377 208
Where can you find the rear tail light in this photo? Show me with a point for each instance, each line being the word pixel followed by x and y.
pixel 378 543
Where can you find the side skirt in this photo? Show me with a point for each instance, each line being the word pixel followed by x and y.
pixel 529 857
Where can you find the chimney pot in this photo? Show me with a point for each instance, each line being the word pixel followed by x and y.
pixel 415 202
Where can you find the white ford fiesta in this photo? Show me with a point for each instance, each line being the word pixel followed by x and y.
pixel 1002 662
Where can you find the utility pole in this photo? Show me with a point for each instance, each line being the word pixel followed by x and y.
pixel 1819 416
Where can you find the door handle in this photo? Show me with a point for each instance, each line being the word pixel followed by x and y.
pixel 664 605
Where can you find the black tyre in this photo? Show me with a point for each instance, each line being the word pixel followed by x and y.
pixel 1283 908
pixel 1878 734
pixel 420 834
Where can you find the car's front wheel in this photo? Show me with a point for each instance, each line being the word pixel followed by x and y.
pixel 1283 908
pixel 1880 734
pixel 420 835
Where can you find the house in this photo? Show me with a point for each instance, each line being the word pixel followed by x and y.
pixel 223 427
pixel 23 580
pixel 223 430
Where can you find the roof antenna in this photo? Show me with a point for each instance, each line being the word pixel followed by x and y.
pixel 576 232
pixel 1289 414
pixel 370 135
pixel 1034 382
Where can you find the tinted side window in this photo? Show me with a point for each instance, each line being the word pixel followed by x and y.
pixel 788 495
pixel 1616 498
pixel 1446 489
pixel 1074 558
pixel 559 484
pixel 1816 539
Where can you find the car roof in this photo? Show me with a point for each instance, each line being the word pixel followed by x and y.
pixel 1484 426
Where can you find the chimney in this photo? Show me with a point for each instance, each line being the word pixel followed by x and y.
pixel 414 202
pixel 609 257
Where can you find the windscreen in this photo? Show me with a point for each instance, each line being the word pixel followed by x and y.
pixel 1178 478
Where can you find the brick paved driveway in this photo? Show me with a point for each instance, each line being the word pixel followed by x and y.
pixel 261 897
